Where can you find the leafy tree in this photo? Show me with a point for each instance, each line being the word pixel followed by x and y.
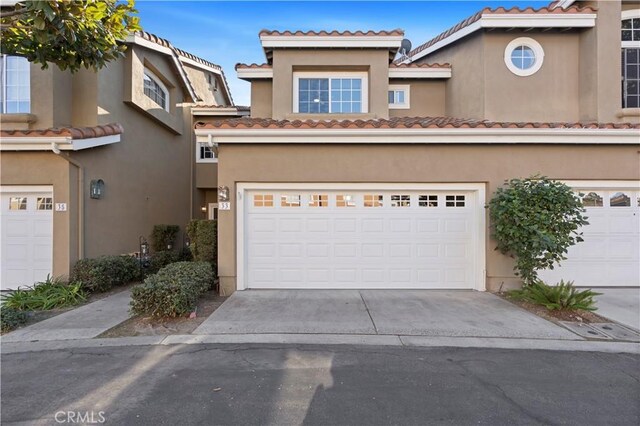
pixel 71 34
pixel 536 220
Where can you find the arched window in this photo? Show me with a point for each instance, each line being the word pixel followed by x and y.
pixel 630 40
pixel 155 90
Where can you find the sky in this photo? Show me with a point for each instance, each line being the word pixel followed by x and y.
pixel 226 32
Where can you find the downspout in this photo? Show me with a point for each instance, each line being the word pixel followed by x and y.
pixel 56 150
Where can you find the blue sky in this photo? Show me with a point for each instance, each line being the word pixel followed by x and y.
pixel 226 32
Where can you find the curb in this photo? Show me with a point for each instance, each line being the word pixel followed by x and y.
pixel 329 339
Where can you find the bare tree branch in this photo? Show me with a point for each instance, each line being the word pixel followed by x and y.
pixel 15 12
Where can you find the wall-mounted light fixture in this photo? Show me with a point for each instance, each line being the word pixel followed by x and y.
pixel 223 193
pixel 203 209
pixel 96 189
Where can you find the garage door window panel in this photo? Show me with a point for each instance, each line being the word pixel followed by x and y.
pixel 373 200
pixel 18 203
pixel 345 201
pixel 290 201
pixel 619 199
pixel 44 203
pixel 400 200
pixel 262 200
pixel 427 201
pixel 593 199
pixel 319 200
pixel 455 201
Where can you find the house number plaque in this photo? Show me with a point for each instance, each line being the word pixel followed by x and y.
pixel 225 205
pixel 61 207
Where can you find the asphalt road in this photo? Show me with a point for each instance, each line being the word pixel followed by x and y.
pixel 319 385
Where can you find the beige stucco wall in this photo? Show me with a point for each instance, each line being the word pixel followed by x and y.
pixel 285 62
pixel 465 88
pixel 261 98
pixel 490 164
pixel 46 168
pixel 427 98
pixel 551 94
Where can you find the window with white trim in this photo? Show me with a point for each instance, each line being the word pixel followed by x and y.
pixel 330 93
pixel 630 41
pixel 15 89
pixel 318 200
pixel 454 200
pixel 155 89
pixel 44 203
pixel 206 153
pixel 400 201
pixel 290 201
pixel 428 201
pixel 523 56
pixel 398 96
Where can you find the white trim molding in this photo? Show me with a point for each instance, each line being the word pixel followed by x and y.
pixel 62 143
pixel 508 20
pixel 9 189
pixel 280 41
pixel 254 73
pixel 538 53
pixel 630 14
pixel 423 136
pixel 479 189
pixel 420 72
pixel 603 184
pixel 231 111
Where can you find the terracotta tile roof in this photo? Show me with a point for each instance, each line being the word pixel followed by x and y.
pixel 401 123
pixel 253 66
pixel 73 132
pixel 500 10
pixel 197 59
pixel 414 65
pixel 396 32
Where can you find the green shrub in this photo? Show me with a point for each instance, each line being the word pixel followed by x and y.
pixel 50 294
pixel 204 241
pixel 563 296
pixel 161 259
pixel 103 273
pixel 536 220
pixel 11 318
pixel 163 236
pixel 173 291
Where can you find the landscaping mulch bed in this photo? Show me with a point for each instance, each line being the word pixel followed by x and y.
pixel 152 326
pixel 580 316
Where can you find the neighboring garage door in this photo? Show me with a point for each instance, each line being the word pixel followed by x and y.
pixel 610 252
pixel 26 236
pixel 364 238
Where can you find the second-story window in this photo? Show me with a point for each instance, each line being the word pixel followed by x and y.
pixel 15 90
pixel 630 38
pixel 155 90
pixel 324 93
pixel 398 96
pixel 206 153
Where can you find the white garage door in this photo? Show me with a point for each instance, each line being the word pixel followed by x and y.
pixel 26 236
pixel 610 253
pixel 342 238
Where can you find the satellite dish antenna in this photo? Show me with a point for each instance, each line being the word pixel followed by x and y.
pixel 405 47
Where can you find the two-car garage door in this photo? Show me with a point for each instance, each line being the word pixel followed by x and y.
pixel 350 237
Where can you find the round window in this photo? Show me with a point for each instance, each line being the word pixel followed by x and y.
pixel 523 56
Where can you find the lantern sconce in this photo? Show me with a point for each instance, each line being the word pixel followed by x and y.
pixel 223 193
pixel 96 189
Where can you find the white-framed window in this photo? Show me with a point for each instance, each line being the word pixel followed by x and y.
pixel 630 42
pixel 15 88
pixel 523 56
pixel 400 201
pixel 330 93
pixel 399 96
pixel 206 153
pixel 155 89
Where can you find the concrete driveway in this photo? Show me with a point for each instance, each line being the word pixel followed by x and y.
pixel 385 312
pixel 620 304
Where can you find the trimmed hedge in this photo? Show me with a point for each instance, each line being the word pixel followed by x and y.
pixel 103 273
pixel 173 291
pixel 161 259
pixel 11 318
pixel 163 236
pixel 204 241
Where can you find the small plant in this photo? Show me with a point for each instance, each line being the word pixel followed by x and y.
pixel 173 291
pixel 103 273
pixel 536 220
pixel 11 318
pixel 163 236
pixel 563 296
pixel 49 294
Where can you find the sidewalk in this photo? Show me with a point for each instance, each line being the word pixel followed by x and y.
pixel 85 322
